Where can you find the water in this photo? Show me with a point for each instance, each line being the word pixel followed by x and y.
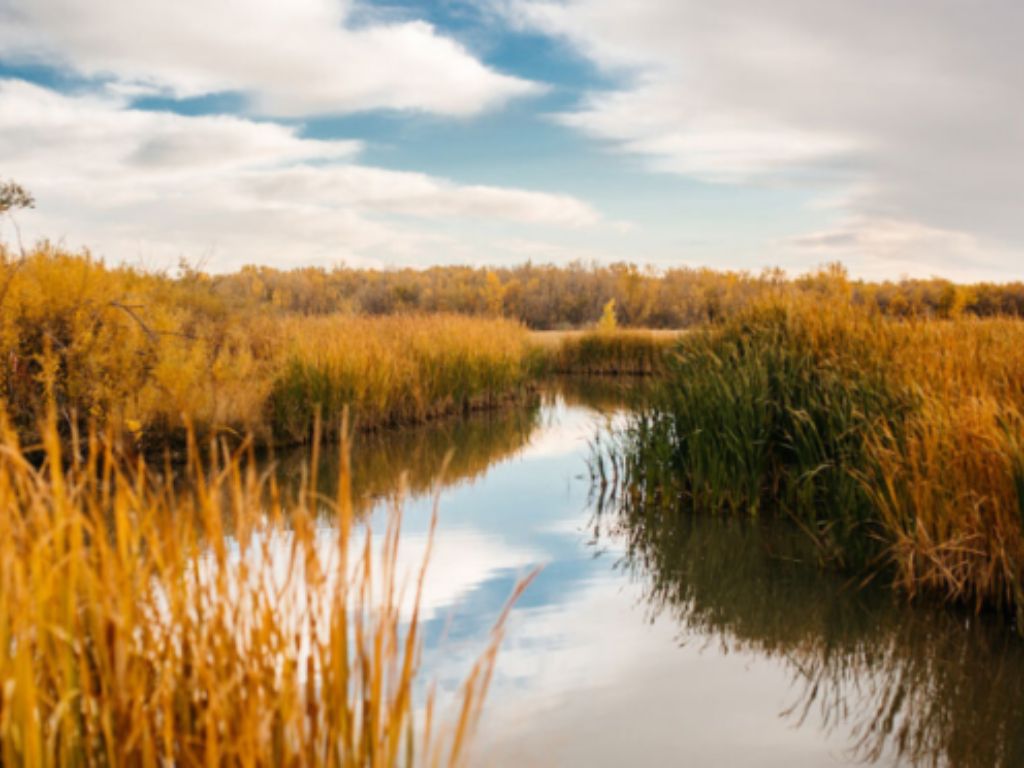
pixel 668 641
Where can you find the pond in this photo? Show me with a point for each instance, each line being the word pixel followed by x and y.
pixel 667 640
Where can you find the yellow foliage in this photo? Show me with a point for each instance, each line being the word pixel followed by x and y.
pixel 121 346
pixel 608 321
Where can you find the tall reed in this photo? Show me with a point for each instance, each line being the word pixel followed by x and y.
pixel 394 370
pixel 208 621
pixel 890 442
pixel 614 352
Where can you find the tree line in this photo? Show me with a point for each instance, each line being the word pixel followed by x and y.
pixel 545 296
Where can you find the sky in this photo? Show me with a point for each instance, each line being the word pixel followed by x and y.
pixel 734 134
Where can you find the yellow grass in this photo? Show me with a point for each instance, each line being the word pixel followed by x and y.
pixel 211 624
pixel 150 355
pixel 395 369
pixel 611 351
pixel 554 339
pixel 890 441
pixel 950 487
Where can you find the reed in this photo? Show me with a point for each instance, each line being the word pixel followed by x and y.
pixel 611 352
pixel 207 621
pixel 394 370
pixel 893 444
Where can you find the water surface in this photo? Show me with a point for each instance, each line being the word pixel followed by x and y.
pixel 666 640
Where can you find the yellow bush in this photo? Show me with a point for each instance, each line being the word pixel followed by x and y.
pixel 154 353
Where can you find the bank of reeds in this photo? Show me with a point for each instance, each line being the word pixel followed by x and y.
pixel 607 352
pixel 151 356
pixel 892 443
pixel 394 370
pixel 210 623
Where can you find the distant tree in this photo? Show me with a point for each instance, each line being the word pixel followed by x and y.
pixel 608 321
pixel 494 294
pixel 14 196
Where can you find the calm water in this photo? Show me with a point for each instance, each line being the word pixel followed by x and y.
pixel 669 642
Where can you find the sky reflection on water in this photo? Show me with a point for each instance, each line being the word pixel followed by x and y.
pixel 689 645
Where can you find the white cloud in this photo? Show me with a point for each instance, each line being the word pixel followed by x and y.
pixel 914 107
pixel 414 193
pixel 683 138
pixel 132 183
pixel 291 58
pixel 886 249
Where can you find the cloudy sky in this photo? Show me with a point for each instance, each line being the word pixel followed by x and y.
pixel 734 133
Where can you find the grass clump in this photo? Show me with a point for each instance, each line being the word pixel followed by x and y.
pixel 394 370
pixel 606 350
pixel 215 622
pixel 889 442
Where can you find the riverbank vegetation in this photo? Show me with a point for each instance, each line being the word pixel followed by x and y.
pixel 209 620
pixel 894 438
pixel 896 445
pixel 152 356
pixel 606 351
pixel 547 297
pixel 573 296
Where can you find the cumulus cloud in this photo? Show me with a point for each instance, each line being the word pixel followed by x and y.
pixel 915 106
pixel 130 183
pixel 290 58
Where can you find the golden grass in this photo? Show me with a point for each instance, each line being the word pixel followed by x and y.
pixel 630 352
pixel 151 356
pixel 893 442
pixel 209 624
pixel 394 370
pixel 949 483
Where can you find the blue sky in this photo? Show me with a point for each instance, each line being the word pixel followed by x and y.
pixel 666 132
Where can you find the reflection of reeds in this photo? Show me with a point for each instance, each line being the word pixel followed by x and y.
pixel 133 630
pixel 891 442
pixel 604 394
pixel 929 685
pixel 414 457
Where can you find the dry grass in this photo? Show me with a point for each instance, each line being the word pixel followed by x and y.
pixel 152 356
pixel 949 480
pixel 214 623
pixel 890 442
pixel 629 352
pixel 394 370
